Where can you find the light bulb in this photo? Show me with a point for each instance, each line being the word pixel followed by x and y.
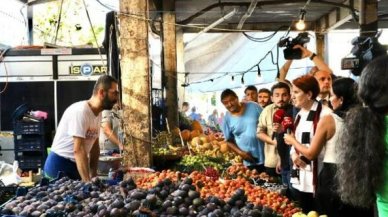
pixel 300 25
pixel 232 82
pixel 259 79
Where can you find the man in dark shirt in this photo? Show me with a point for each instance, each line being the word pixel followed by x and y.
pixel 184 122
pixel 277 153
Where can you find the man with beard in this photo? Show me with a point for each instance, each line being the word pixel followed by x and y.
pixel 264 97
pixel 75 149
pixel 276 152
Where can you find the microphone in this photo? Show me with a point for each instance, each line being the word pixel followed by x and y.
pixel 277 118
pixel 288 124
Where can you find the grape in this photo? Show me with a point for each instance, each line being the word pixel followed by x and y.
pixel 212 173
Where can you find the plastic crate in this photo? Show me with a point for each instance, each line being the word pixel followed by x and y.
pixel 22 128
pixel 23 143
pixel 6 193
pixel 30 162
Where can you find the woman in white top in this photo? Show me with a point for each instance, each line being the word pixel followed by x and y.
pixel 329 128
pixel 303 181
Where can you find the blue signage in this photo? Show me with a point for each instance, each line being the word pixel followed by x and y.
pixel 86 69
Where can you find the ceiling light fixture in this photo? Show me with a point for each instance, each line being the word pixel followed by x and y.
pixel 301 25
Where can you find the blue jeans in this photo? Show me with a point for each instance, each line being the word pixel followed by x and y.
pixel 55 164
pixel 286 176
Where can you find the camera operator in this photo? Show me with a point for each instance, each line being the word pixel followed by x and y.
pixel 320 71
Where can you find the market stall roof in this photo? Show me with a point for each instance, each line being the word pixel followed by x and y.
pixel 224 16
pixel 263 15
pixel 269 15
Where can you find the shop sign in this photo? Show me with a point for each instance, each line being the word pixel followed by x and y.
pixel 56 51
pixel 88 69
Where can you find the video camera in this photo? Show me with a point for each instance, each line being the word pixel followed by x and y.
pixel 364 50
pixel 291 53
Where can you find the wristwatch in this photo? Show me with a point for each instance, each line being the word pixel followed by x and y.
pixel 312 56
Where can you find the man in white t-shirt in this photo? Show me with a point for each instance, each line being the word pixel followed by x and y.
pixel 75 149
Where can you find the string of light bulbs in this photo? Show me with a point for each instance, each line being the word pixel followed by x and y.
pixel 301 25
pixel 233 75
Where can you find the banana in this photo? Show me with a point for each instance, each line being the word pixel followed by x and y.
pixel 173 148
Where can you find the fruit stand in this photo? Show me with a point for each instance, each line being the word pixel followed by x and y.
pixel 166 193
pixel 206 179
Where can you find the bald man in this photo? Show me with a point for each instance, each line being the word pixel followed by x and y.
pixel 320 71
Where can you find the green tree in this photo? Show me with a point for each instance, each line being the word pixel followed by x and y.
pixel 213 100
pixel 74 27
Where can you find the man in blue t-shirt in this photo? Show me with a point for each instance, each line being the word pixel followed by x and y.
pixel 193 115
pixel 239 128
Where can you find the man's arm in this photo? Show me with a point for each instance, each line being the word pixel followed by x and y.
pixel 94 156
pixel 107 130
pixel 262 129
pixel 284 70
pixel 318 62
pixel 265 138
pixel 81 158
pixel 325 131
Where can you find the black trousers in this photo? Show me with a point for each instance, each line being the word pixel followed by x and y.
pixel 306 201
pixel 258 167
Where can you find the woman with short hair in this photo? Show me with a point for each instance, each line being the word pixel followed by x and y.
pixel 305 89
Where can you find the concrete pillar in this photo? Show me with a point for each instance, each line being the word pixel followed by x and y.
pixel 180 65
pixel 170 75
pixel 136 86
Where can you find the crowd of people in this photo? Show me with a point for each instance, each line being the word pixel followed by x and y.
pixel 329 146
pixel 213 121
pixel 332 156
